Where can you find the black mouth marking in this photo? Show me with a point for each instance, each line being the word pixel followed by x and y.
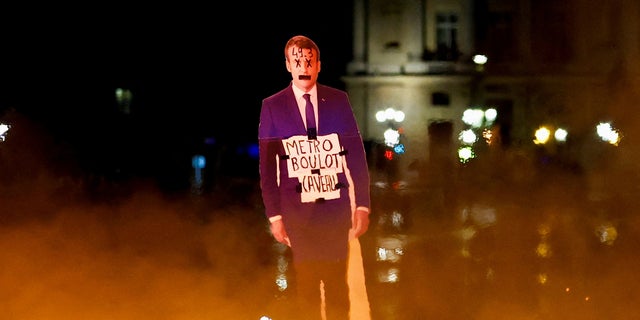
pixel 304 77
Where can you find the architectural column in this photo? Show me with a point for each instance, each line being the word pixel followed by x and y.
pixel 358 64
pixel 415 46
pixel 629 35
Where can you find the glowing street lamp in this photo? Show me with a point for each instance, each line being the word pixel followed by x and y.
pixel 543 135
pixel 560 135
pixel 477 118
pixel 389 114
pixel 607 133
pixel 392 135
pixel 480 120
pixel 465 154
pixel 480 59
pixel 468 136
pixel 473 117
pixel 4 128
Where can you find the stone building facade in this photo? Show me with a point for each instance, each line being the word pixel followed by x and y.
pixel 555 63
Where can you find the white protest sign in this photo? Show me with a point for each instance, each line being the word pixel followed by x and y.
pixel 316 164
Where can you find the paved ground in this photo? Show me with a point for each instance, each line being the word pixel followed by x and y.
pixel 430 253
pixel 525 255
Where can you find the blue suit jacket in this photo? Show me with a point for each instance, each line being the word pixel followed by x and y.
pixel 280 119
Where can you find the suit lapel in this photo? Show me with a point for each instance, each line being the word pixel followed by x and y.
pixel 326 110
pixel 321 106
pixel 293 112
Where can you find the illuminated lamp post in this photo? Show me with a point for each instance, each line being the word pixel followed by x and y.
pixel 549 138
pixel 392 136
pixel 543 135
pixel 475 118
pixel 607 133
pixel 480 60
pixel 479 123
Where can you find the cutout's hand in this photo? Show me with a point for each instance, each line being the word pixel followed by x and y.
pixel 360 223
pixel 279 233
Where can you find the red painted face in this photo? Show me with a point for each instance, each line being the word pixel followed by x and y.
pixel 304 66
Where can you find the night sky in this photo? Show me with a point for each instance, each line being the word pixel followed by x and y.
pixel 196 72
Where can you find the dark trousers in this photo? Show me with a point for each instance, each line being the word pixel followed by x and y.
pixel 333 276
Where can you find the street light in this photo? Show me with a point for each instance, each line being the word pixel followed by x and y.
pixel 480 60
pixel 391 137
pixel 389 114
pixel 4 128
pixel 543 135
pixel 607 133
pixel 392 134
pixel 480 120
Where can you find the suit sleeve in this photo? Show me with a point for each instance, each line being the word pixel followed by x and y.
pixel 268 162
pixel 356 159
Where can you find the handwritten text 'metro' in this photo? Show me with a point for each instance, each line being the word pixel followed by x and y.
pixel 305 155
pixel 301 146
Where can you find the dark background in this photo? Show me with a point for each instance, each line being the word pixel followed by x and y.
pixel 197 72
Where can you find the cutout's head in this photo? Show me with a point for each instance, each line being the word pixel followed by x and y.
pixel 302 58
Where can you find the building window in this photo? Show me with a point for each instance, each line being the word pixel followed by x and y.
pixel 551 32
pixel 447 36
pixel 440 99
pixel 502 38
pixel 392 45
